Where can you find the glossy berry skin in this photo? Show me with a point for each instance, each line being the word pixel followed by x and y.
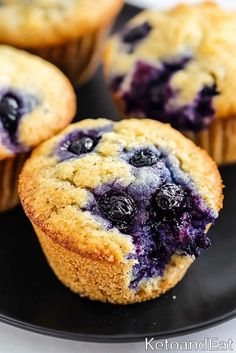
pixel 143 158
pixel 10 113
pixel 169 198
pixel 137 33
pixel 119 208
pixel 83 145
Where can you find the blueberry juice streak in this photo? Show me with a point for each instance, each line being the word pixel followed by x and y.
pixel 160 210
pixel 150 94
pixel 14 104
pixel 80 142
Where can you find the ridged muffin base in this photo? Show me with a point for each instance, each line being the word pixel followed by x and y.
pixel 78 59
pixel 219 140
pixel 10 169
pixel 107 281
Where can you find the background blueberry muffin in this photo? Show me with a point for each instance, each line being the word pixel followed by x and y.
pixel 36 102
pixel 121 209
pixel 70 34
pixel 178 66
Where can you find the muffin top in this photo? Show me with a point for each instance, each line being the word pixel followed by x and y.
pixel 38 23
pixel 36 101
pixel 177 65
pixel 132 190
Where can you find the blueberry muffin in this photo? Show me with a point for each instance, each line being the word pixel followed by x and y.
pixel 178 66
pixel 70 34
pixel 36 102
pixel 121 209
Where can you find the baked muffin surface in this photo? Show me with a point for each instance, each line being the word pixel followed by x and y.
pixel 176 65
pixel 105 191
pixel 36 101
pixel 51 21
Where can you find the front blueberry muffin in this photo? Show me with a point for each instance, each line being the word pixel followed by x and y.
pixel 178 66
pixel 70 34
pixel 121 209
pixel 36 102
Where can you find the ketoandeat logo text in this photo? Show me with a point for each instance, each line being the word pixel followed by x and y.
pixel 213 344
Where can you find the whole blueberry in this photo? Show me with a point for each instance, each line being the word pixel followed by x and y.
pixel 169 198
pixel 144 158
pixel 9 112
pixel 82 145
pixel 117 207
pixel 137 33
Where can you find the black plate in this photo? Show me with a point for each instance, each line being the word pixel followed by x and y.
pixel 32 298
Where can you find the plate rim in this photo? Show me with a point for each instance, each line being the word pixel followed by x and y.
pixel 123 338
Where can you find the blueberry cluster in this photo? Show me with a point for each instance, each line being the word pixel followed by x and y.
pixel 150 89
pixel 164 216
pixel 150 92
pixel 167 220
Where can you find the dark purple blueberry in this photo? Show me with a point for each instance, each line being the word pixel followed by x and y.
pixel 117 207
pixel 80 141
pixel 202 241
pixel 9 112
pixel 137 33
pixel 169 198
pixel 83 145
pixel 143 158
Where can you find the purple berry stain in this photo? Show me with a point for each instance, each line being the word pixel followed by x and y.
pixel 163 214
pixel 80 142
pixel 150 92
pixel 14 104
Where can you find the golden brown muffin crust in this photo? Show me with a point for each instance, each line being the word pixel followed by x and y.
pixel 107 281
pixel 204 32
pixel 53 193
pixel 55 98
pixel 86 255
pixel 42 23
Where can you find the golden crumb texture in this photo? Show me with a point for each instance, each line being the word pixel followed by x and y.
pixel 42 23
pixel 54 98
pixel 203 32
pixel 107 281
pixel 86 256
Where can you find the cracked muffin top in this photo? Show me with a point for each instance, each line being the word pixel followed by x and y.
pixel 36 101
pixel 52 22
pixel 177 65
pixel 134 190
